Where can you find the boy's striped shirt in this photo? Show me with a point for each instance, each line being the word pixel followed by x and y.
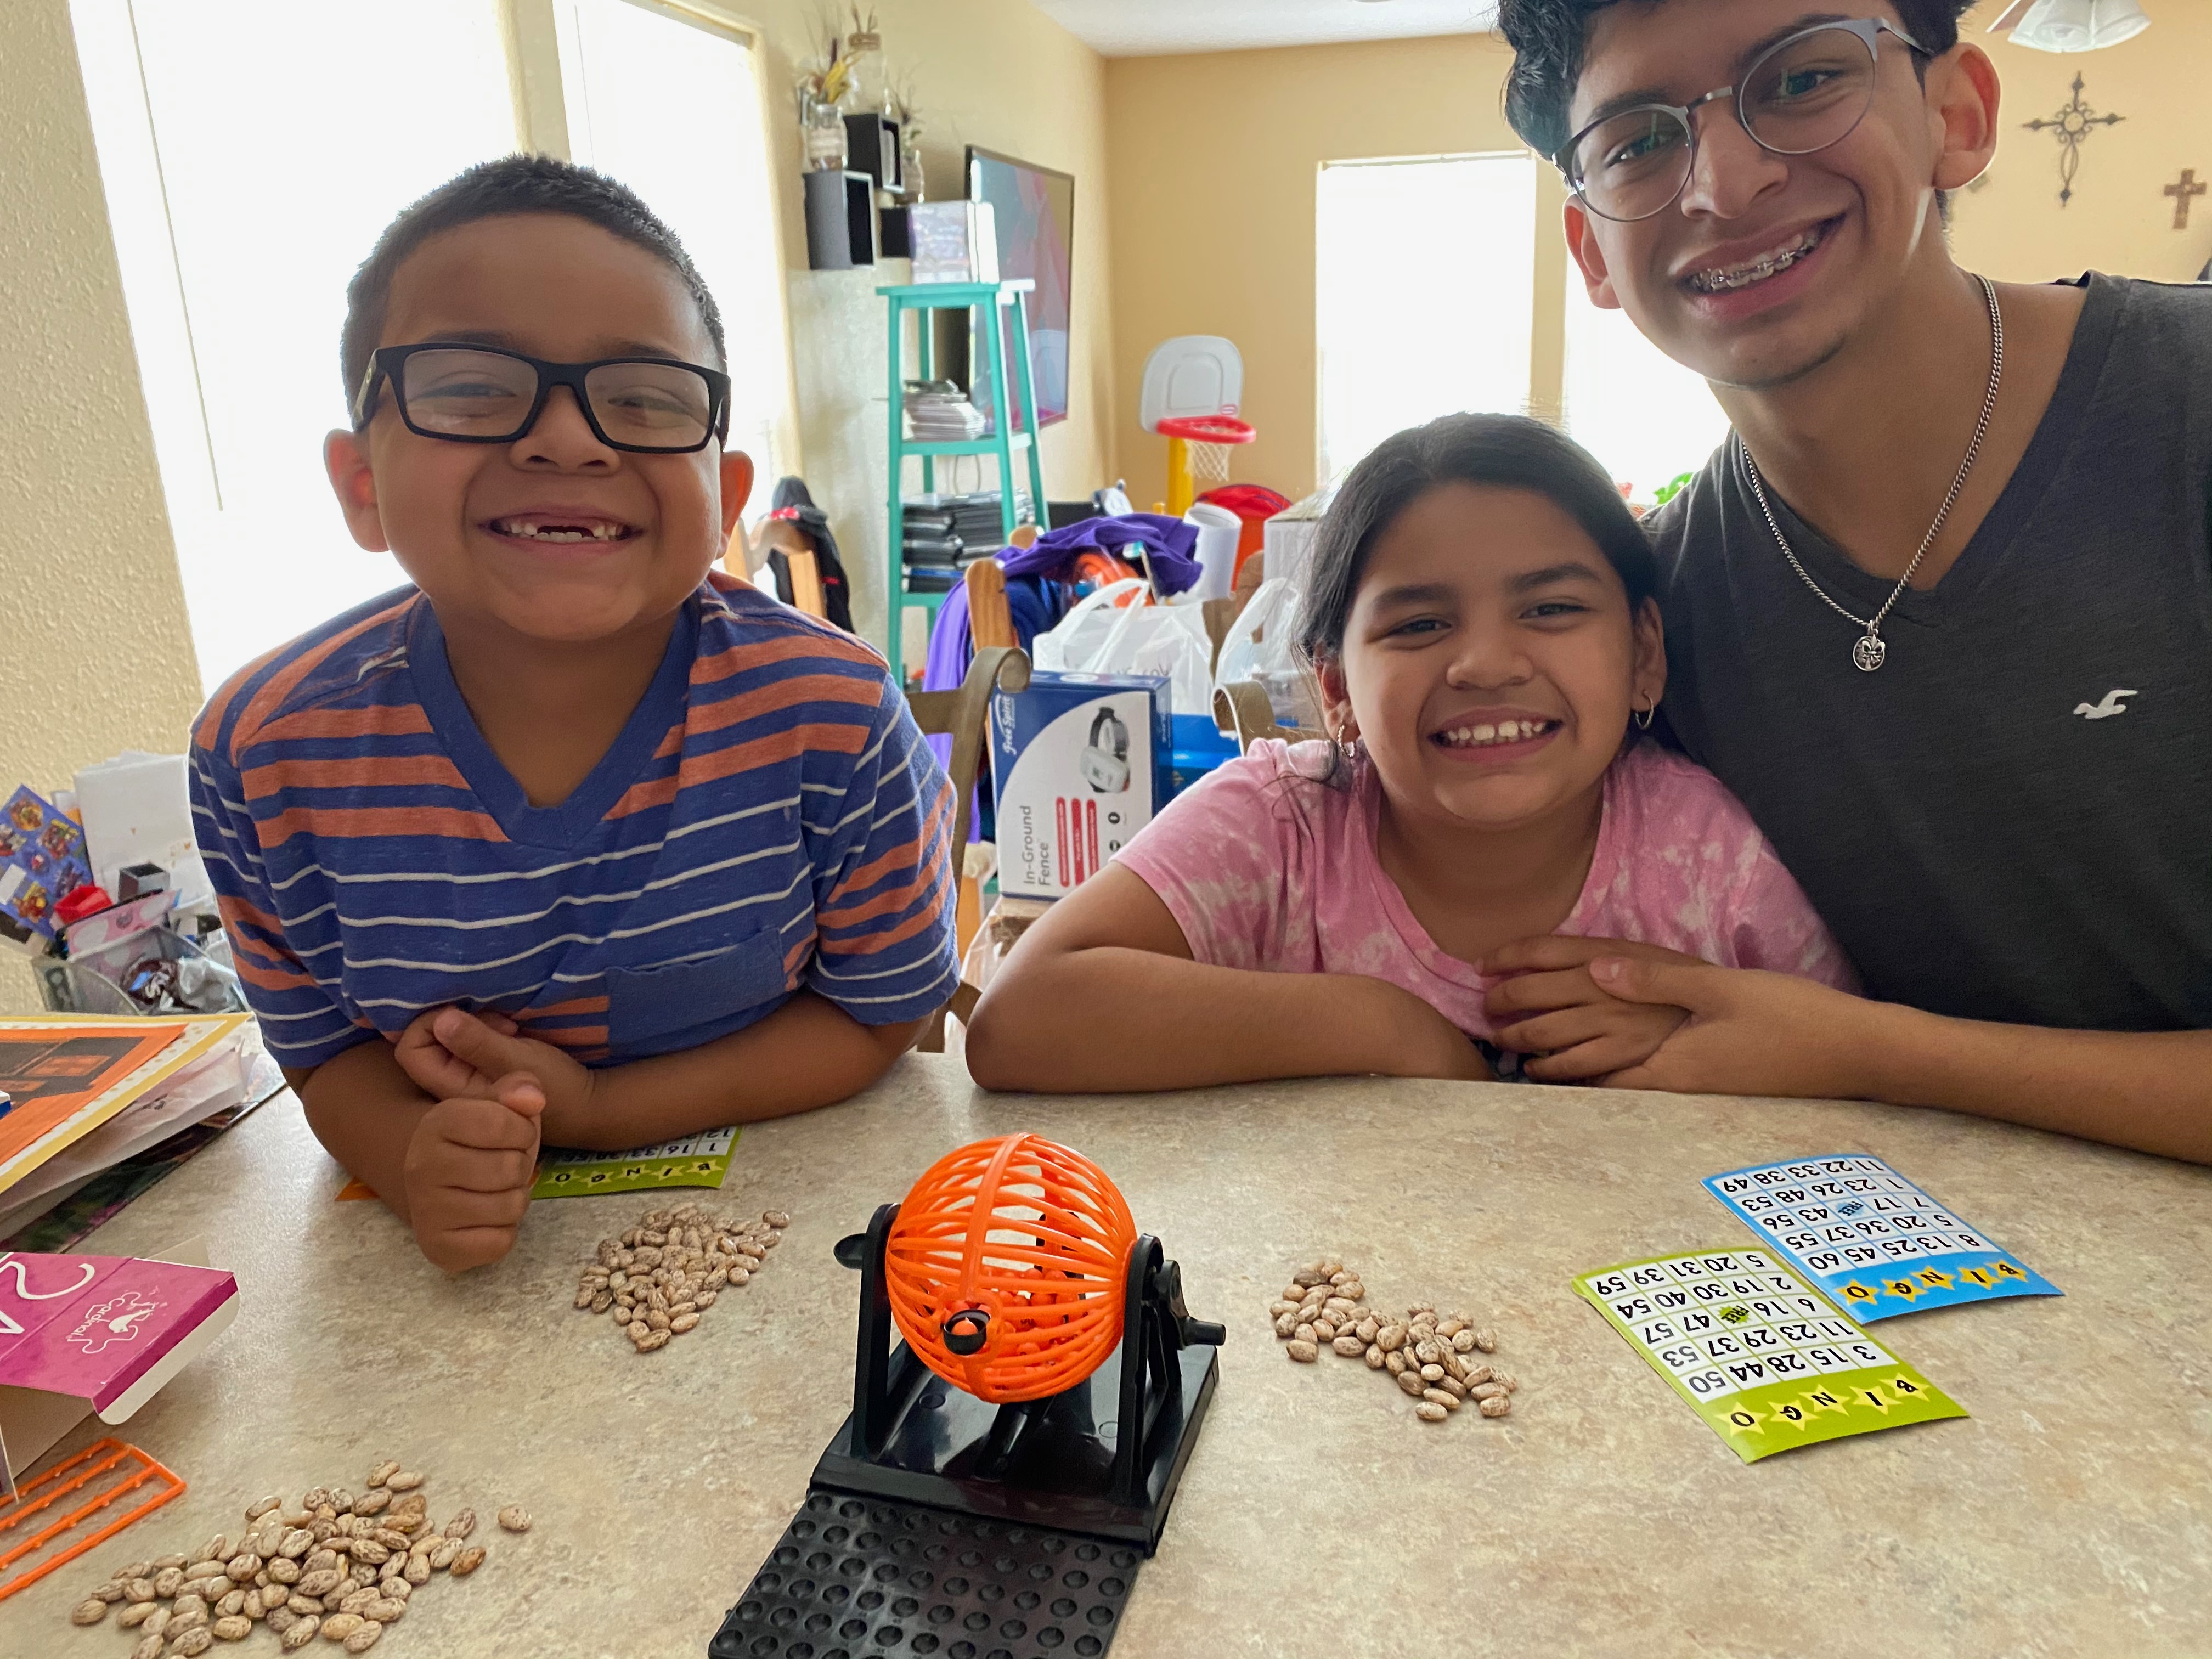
pixel 768 820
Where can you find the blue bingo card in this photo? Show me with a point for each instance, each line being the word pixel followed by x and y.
pixel 1873 1242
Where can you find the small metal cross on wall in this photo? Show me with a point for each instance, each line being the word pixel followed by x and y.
pixel 2072 125
pixel 2181 193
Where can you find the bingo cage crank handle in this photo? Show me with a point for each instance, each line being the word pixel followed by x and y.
pixel 1167 1284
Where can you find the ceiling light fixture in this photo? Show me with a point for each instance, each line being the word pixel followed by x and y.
pixel 2071 25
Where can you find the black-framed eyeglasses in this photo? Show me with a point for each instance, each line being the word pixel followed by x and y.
pixel 1806 91
pixel 470 394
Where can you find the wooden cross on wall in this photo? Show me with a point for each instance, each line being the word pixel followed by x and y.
pixel 2072 125
pixel 2182 193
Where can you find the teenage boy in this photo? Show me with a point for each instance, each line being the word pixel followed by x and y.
pixel 1941 610
pixel 575 839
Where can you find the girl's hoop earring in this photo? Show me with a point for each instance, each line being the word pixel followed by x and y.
pixel 1643 716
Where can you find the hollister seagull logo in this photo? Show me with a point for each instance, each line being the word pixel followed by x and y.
pixel 114 1321
pixel 2105 710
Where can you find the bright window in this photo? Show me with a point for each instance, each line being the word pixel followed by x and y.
pixel 1641 413
pixel 1424 285
pixel 251 151
pixel 673 110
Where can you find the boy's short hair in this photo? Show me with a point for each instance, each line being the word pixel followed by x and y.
pixel 1547 35
pixel 489 190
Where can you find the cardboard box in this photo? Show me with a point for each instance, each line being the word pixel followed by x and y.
pixel 1079 764
pixel 103 1334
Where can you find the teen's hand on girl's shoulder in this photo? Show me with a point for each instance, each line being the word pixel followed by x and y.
pixel 1749 1032
pixel 468 1172
pixel 1549 1006
pixel 450 1053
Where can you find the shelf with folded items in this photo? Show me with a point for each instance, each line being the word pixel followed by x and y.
pixel 1007 369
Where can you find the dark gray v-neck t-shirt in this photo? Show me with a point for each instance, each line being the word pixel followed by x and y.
pixel 2011 819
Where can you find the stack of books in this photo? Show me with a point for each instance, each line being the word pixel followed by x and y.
pixel 87 1093
pixel 938 411
pixel 933 550
pixel 945 533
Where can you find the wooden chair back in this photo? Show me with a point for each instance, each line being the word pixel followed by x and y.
pixel 782 535
pixel 1241 709
pixel 990 620
pixel 964 716
pixel 806 592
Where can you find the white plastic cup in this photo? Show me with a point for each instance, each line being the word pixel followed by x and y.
pixel 1219 532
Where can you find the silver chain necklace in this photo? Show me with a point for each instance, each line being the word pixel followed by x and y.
pixel 1868 650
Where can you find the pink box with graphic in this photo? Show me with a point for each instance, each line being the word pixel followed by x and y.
pixel 101 1333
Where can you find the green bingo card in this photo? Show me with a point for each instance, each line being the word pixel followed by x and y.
pixel 1759 1354
pixel 699 1160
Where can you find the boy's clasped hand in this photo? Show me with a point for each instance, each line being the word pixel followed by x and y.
pixel 473 1156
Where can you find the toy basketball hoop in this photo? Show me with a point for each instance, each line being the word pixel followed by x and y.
pixel 1198 454
pixel 1192 389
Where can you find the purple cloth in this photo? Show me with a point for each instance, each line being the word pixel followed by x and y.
pixel 1170 543
pixel 1037 595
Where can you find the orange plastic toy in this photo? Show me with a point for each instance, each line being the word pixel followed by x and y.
pixel 38 1533
pixel 1006 1268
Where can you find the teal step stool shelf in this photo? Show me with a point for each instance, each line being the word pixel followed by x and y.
pixel 920 298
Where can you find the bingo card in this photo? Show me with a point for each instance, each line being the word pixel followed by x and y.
pixel 1770 1365
pixel 1871 1240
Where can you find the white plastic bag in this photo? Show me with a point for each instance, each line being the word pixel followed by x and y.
pixel 1098 637
pixel 1260 647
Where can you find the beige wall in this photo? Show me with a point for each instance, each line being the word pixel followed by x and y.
pixel 1214 157
pixel 2011 224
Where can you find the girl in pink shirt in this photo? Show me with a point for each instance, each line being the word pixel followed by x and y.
pixel 1480 620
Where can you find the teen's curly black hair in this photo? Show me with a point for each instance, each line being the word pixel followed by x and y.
pixel 1547 37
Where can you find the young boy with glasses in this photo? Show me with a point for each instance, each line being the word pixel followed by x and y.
pixel 575 839
pixel 1940 612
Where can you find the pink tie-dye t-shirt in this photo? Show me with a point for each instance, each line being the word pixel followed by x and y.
pixel 1264 867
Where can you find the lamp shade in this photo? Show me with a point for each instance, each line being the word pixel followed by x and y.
pixel 2078 25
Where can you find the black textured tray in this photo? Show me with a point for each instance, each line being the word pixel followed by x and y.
pixel 855 1578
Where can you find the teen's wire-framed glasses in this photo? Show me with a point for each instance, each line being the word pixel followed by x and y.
pixel 1806 91
pixel 471 394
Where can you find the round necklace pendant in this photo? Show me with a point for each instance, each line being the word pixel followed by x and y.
pixel 1869 652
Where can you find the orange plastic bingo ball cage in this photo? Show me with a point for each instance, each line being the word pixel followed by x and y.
pixel 1007 1267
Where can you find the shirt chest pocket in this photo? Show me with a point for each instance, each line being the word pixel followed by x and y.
pixel 665 998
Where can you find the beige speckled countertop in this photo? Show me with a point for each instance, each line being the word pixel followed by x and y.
pixel 2072 1514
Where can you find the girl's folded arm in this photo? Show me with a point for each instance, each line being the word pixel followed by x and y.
pixel 1102 994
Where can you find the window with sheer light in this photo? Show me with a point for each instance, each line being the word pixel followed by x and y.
pixel 1647 418
pixel 1424 286
pixel 672 107
pixel 252 151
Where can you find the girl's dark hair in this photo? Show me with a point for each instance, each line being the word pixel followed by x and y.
pixel 1508 451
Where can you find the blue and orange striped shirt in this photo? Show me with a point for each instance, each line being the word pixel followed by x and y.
pixel 768 821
